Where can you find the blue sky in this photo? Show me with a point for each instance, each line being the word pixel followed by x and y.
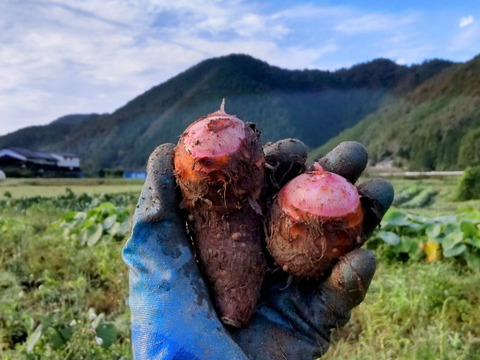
pixel 80 56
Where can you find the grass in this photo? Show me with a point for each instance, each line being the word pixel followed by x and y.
pixel 55 187
pixel 417 310
pixel 48 277
pixel 413 310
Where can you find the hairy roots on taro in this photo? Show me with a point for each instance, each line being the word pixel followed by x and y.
pixel 316 218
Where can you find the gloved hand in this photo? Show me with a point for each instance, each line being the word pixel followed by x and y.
pixel 172 314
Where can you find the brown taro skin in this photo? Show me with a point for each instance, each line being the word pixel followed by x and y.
pixel 219 166
pixel 316 218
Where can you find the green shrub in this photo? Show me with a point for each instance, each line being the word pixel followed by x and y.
pixel 469 151
pixel 469 185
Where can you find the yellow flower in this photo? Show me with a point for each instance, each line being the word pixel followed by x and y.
pixel 433 251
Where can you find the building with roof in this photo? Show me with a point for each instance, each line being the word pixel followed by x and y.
pixel 66 160
pixel 22 162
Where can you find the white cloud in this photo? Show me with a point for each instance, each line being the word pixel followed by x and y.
pixel 374 22
pixel 249 25
pixel 95 55
pixel 465 40
pixel 309 11
pixel 61 56
pixel 465 21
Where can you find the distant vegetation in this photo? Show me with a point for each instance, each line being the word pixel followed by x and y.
pixel 311 105
pixel 435 127
pixel 469 185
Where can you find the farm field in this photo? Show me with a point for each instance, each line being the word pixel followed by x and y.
pixel 53 187
pixel 63 285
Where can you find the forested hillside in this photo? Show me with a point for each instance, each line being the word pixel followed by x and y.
pixel 436 127
pixel 311 105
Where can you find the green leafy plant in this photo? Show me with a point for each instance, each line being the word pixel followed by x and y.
pixel 52 334
pixel 405 236
pixel 105 221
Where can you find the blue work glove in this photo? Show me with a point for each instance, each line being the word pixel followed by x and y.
pixel 171 308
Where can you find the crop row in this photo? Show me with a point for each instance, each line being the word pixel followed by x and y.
pixel 415 197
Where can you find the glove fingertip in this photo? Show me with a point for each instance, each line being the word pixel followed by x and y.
pixel 377 197
pixel 160 159
pixel 285 147
pixel 348 159
pixel 159 198
pixel 380 191
pixel 285 159
pixel 351 277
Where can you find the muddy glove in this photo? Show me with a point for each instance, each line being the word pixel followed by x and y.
pixel 172 314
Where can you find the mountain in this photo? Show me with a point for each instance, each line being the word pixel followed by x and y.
pixel 311 105
pixel 36 137
pixel 434 127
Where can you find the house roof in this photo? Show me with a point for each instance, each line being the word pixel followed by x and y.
pixel 61 153
pixel 7 153
pixel 32 154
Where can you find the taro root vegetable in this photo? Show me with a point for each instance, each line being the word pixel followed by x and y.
pixel 219 166
pixel 316 218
